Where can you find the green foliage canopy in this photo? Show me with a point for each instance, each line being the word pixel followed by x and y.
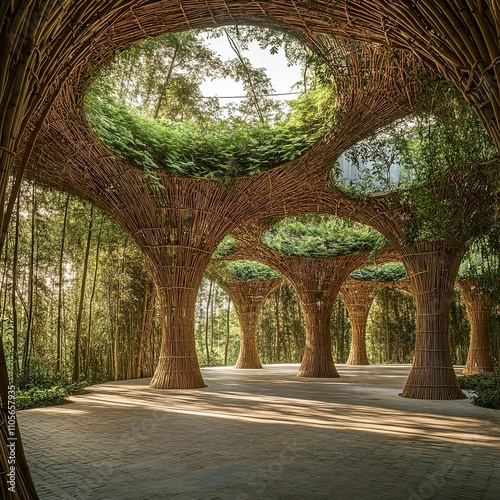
pixel 321 236
pixel 392 271
pixel 158 120
pixel 442 133
pixel 247 270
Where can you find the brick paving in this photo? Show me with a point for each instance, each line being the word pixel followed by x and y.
pixel 264 434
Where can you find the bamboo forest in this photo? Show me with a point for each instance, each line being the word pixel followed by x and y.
pixel 249 250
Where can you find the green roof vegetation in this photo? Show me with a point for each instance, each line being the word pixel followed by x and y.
pixel 148 108
pixel 392 271
pixel 246 270
pixel 321 236
pixel 226 247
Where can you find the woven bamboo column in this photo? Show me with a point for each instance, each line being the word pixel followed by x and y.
pixel 177 285
pixel 432 268
pixel 358 296
pixel 317 361
pixel 317 282
pixel 479 358
pixel 248 298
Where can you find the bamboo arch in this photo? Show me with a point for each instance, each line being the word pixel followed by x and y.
pixel 44 42
pixel 178 222
pixel 317 282
pixel 479 358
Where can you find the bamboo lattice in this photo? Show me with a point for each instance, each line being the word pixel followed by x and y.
pixel 45 43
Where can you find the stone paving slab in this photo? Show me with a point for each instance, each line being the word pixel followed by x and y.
pixel 264 434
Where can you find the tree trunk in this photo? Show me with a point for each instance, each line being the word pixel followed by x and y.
pixel 277 354
pixel 91 300
pixel 207 318
pixel 479 358
pixel 146 342
pixel 432 268
pixel 358 297
pixel 15 335
pixel 79 319
pixel 31 287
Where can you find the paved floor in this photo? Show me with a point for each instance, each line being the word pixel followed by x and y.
pixel 265 434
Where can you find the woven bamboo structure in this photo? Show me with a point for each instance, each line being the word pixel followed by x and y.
pixel 44 43
pixel 317 282
pixel 358 296
pixel 432 267
pixel 178 222
pixel 248 297
pixel 479 358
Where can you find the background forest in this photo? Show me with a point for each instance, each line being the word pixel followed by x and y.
pixel 78 305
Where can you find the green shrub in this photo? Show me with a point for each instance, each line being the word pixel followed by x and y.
pixel 321 236
pixel 245 270
pixel 486 387
pixel 392 271
pixel 480 381
pixel 38 397
pixel 488 398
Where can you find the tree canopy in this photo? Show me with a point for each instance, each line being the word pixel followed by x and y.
pixel 443 132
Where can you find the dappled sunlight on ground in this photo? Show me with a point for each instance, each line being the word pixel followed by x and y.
pixel 212 440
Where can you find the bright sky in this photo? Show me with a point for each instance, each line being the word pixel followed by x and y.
pixel 282 76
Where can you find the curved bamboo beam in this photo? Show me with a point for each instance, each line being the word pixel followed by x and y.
pixel 479 358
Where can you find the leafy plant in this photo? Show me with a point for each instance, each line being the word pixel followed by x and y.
pixel 486 386
pixel 246 270
pixel 158 121
pixel 443 132
pixel 226 247
pixel 37 397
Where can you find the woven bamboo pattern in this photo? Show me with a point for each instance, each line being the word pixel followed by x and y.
pixel 479 358
pixel 358 296
pixel 317 282
pixel 248 297
pixel 432 266
pixel 178 222
pixel 45 44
